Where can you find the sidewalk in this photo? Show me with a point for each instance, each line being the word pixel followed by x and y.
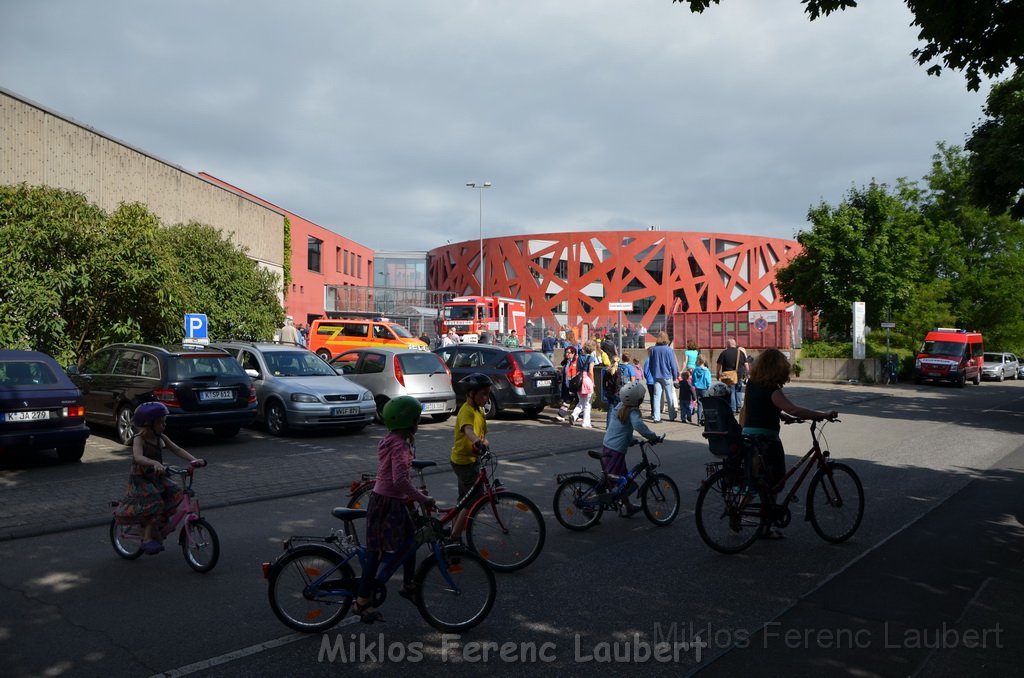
pixel 943 597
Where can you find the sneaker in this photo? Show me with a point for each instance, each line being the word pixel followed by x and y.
pixel 630 511
pixel 586 426
pixel 153 547
pixel 560 417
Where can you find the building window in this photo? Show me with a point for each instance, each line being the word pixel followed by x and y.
pixel 313 254
pixel 359 266
pixel 345 265
pixel 337 260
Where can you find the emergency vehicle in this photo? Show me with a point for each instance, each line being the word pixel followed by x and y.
pixel 469 316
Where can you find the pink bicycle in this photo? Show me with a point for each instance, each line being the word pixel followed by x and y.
pixel 198 541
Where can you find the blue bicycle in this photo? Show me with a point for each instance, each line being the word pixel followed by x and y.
pixel 314 582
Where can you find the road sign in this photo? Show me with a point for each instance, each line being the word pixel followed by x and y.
pixel 620 306
pixel 196 328
pixel 888 326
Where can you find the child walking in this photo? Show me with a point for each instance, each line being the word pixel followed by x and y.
pixel 625 419
pixel 151 496
pixel 388 521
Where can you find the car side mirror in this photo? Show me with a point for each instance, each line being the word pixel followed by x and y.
pixel 252 373
pixel 72 369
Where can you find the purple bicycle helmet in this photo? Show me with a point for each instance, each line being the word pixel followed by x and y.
pixel 147 413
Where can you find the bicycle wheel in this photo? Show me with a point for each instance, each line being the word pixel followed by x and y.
pixel 293 598
pixel 835 502
pixel 508 534
pixel 456 593
pixel 568 499
pixel 199 545
pixel 728 519
pixel 659 498
pixel 126 540
pixel 359 500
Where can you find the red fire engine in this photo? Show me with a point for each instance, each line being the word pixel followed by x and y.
pixel 469 316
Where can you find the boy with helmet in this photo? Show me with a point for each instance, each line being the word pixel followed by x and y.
pixel 388 521
pixel 470 439
pixel 151 496
pixel 625 419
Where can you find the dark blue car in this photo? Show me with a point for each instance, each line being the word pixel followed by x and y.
pixel 40 407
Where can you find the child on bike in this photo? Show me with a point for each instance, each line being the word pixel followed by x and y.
pixel 625 419
pixel 151 496
pixel 470 440
pixel 763 407
pixel 389 524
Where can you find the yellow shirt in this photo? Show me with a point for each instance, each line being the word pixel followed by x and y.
pixel 463 451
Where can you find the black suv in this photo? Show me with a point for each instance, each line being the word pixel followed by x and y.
pixel 202 387
pixel 523 379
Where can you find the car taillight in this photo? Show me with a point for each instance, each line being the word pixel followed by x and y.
pixel 252 394
pixel 445 366
pixel 74 411
pixel 398 373
pixel 167 396
pixel 516 375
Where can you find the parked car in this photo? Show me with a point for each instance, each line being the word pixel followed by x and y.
pixel 40 407
pixel 203 387
pixel 523 378
pixel 1000 366
pixel 393 372
pixel 330 336
pixel 297 390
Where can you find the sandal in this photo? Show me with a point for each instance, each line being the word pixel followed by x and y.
pixel 366 614
pixel 408 591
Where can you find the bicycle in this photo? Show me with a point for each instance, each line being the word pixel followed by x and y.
pixel 731 515
pixel 505 528
pixel 891 370
pixel 582 496
pixel 312 585
pixel 197 538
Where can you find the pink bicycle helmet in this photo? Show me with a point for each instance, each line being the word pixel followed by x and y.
pixel 147 413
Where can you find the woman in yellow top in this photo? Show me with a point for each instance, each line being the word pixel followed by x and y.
pixel 470 440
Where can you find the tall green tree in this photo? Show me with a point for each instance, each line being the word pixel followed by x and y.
pixel 978 37
pixel 997 148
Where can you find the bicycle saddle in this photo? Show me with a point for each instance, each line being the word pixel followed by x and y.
pixel 342 513
pixel 595 455
pixel 420 464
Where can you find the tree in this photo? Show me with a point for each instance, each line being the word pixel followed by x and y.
pixel 983 37
pixel 997 149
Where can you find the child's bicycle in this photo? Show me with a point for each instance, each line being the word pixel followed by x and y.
pixel 731 514
pixel 505 528
pixel 582 496
pixel 198 540
pixel 313 583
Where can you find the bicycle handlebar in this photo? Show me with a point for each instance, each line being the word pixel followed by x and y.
pixel 645 441
pixel 786 419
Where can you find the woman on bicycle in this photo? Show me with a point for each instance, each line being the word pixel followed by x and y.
pixel 152 496
pixel 625 419
pixel 470 440
pixel 763 407
pixel 388 521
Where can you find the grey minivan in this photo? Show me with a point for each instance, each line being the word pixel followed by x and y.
pixel 393 372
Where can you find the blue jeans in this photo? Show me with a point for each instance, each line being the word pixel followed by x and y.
pixel 737 397
pixel 663 385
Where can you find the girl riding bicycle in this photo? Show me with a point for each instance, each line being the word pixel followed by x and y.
pixel 470 439
pixel 625 419
pixel 151 496
pixel 388 521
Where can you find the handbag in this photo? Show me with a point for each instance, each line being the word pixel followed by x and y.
pixel 576 382
pixel 729 377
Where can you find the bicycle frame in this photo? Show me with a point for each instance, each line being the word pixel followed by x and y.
pixel 597 495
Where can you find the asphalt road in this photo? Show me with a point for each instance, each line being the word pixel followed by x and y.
pixel 593 602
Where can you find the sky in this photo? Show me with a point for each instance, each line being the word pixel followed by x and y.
pixel 369 118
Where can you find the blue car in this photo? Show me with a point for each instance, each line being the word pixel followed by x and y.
pixel 40 407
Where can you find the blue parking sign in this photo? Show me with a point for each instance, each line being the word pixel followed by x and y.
pixel 195 328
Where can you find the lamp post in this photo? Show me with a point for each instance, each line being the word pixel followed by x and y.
pixel 481 187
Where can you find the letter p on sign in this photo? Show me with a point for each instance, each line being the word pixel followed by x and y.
pixel 195 328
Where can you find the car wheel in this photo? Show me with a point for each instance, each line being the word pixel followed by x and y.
pixel 71 453
pixel 276 418
pixel 491 408
pixel 125 425
pixel 977 378
pixel 226 431
pixel 378 416
pixel 325 354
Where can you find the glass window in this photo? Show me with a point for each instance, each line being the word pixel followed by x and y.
pixel 346 363
pixel 26 373
pixel 313 253
pixel 127 363
pixel 373 363
pixel 421 362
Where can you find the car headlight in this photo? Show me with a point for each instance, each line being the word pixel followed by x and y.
pixel 304 398
pixel 367 395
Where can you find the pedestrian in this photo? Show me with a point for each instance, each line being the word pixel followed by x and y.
pixel 389 524
pixel 701 384
pixel 625 419
pixel 611 383
pixel 470 443
pixel 731 370
pixel 570 386
pixel 289 335
pixel 303 336
pixel 547 345
pixel 649 380
pixel 484 338
pixel 665 371
pixel 691 354
pixel 151 497
pixel 764 405
pixel 512 340
pixel 451 338
pixel 587 361
pixel 608 346
pixel 686 395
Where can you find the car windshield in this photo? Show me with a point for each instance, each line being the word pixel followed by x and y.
pixel 401 331
pixel 532 360
pixel 467 312
pixel 951 348
pixel 25 373
pixel 204 367
pixel 421 363
pixel 993 357
pixel 297 364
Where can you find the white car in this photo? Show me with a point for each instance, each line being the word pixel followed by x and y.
pixel 1000 366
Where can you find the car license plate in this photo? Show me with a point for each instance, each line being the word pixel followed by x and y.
pixel 935 374
pixel 541 383
pixel 344 411
pixel 34 415
pixel 217 395
pixel 432 407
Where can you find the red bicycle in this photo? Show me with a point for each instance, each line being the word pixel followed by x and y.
pixel 505 528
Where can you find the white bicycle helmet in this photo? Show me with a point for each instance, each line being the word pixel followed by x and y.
pixel 718 390
pixel 632 394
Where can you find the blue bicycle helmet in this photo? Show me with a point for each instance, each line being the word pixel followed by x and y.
pixel 147 413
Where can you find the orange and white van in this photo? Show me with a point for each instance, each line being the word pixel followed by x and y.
pixel 330 336
pixel 950 354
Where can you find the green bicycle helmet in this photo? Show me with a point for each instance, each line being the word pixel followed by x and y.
pixel 402 413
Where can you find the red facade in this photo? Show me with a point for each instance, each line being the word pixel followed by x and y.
pixel 571 277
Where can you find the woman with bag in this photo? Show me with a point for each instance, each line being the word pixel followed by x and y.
pixel 586 394
pixel 570 384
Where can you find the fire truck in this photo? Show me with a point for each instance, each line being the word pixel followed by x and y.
pixel 469 316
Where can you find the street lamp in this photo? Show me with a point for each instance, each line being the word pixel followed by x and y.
pixel 481 187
